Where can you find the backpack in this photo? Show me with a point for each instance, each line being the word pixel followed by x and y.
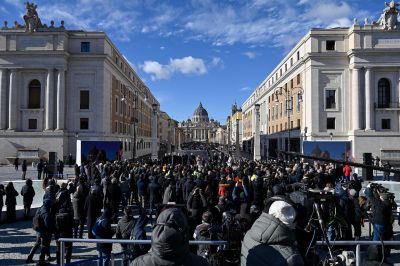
pixel 38 222
pixel 98 228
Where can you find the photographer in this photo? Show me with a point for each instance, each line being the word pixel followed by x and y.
pixel 382 218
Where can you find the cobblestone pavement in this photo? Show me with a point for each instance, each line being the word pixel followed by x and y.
pixel 16 240
pixel 8 173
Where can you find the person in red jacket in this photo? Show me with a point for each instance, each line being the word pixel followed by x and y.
pixel 346 172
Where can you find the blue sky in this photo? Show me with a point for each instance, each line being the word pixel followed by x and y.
pixel 213 51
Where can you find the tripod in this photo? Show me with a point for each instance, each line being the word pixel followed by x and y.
pixel 332 260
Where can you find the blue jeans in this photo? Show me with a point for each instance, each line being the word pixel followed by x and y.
pixel 103 261
pixel 379 231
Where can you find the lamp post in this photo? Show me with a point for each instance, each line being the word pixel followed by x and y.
pixel 257 155
pixel 287 94
pixel 154 130
pixel 237 137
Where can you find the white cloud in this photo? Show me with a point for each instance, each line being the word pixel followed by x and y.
pixel 250 55
pixel 187 65
pixel 156 70
pixel 254 23
pixel 162 48
pixel 245 88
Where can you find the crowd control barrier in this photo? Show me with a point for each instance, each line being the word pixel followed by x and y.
pixel 121 241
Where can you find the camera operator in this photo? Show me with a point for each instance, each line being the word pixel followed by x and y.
pixel 382 218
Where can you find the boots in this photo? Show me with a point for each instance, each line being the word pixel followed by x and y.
pixel 29 259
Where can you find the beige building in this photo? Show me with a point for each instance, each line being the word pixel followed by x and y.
pixel 336 86
pixel 58 86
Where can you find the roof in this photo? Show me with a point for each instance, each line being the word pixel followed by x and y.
pixel 200 111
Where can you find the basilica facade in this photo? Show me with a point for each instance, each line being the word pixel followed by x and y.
pixel 200 128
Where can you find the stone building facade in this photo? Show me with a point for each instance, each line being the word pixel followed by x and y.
pixel 335 85
pixel 59 85
pixel 200 128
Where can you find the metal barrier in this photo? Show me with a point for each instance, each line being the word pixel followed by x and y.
pixel 123 241
pixel 358 245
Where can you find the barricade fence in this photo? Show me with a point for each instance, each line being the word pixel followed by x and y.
pixel 127 242
pixel 358 245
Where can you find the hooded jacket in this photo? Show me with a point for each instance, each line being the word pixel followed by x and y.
pixel 270 242
pixel 170 242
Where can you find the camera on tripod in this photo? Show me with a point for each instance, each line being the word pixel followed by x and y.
pixel 321 196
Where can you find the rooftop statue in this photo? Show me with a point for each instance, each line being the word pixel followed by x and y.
pixel 388 19
pixel 32 20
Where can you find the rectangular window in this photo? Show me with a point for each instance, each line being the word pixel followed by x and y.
pixel 280 72
pixel 330 45
pixel 291 124
pixel 32 123
pixel 298 55
pixel 85 47
pixel 298 123
pixel 84 99
pixel 84 123
pixel 298 102
pixel 280 113
pixel 291 61
pixel 285 67
pixel 298 79
pixel 330 99
pixel 280 126
pixel 116 105
pixel 330 123
pixel 386 123
pixel 116 127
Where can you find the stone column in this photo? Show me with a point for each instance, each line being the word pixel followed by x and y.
pixel 3 98
pixel 355 99
pixel 49 101
pixel 12 101
pixel 257 154
pixel 60 99
pixel 369 102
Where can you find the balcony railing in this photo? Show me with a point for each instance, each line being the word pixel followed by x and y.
pixel 391 105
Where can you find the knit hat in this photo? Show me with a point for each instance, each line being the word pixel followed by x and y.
pixel 352 192
pixel 283 211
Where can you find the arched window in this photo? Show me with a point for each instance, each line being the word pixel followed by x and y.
pixel 383 93
pixel 34 94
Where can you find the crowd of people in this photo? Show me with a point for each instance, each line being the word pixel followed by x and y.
pixel 264 209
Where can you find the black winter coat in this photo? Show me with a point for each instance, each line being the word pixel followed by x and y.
pixel 93 206
pixel 28 193
pixel 78 203
pixel 170 245
pixel 270 242
pixel 11 196
pixel 155 192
